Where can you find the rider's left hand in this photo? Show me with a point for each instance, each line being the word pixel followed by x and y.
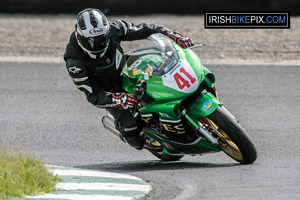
pixel 124 100
pixel 182 41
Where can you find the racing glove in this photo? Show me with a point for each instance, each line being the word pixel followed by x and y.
pixel 182 41
pixel 124 100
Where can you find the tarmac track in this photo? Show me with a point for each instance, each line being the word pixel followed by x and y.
pixel 43 113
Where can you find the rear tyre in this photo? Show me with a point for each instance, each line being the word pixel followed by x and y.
pixel 237 143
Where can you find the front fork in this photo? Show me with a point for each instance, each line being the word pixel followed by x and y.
pixel 207 135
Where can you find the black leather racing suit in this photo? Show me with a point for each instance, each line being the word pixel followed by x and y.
pixel 99 78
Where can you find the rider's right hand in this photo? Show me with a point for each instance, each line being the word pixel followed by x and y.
pixel 182 41
pixel 124 100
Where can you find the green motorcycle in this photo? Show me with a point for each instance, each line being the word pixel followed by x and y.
pixel 180 105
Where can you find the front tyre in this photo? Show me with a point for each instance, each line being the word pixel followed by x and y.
pixel 234 141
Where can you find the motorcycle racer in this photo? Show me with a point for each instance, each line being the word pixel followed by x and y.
pixel 94 60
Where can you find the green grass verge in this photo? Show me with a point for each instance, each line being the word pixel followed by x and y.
pixel 21 174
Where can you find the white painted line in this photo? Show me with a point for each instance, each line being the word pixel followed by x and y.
pixel 204 61
pixel 79 197
pixel 31 59
pixel 250 62
pixel 103 186
pixel 92 173
pixel 94 190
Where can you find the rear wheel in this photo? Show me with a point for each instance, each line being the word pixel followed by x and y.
pixel 232 138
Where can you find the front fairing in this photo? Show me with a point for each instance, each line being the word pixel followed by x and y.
pixel 170 72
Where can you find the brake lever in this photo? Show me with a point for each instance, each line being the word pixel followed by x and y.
pixel 196 46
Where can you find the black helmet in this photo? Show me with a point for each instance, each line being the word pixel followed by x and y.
pixel 92 32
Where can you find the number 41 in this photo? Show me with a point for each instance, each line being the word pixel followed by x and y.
pixel 181 82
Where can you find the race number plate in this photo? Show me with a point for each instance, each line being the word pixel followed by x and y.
pixel 181 78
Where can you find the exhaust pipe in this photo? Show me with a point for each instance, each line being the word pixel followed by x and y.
pixel 108 122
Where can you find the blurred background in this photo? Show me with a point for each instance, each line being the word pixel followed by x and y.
pixel 41 28
pixel 140 7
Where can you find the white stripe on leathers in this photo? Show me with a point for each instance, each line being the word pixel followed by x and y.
pixel 88 88
pixel 80 79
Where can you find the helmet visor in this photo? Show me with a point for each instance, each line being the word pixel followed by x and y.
pixel 94 44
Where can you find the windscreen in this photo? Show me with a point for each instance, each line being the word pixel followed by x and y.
pixel 157 56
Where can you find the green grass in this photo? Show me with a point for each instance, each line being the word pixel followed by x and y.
pixel 21 174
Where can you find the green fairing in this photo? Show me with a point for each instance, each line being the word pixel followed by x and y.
pixel 166 107
pixel 195 109
pixel 202 106
pixel 166 97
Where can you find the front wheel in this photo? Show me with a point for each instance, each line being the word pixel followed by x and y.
pixel 234 140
